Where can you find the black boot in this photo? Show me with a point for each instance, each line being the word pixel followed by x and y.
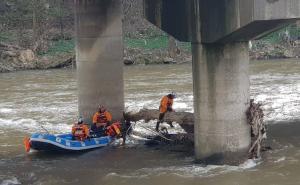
pixel 157 126
pixel 171 124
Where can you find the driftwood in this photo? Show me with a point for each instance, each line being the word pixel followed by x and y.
pixel 184 119
pixel 254 114
pixel 255 117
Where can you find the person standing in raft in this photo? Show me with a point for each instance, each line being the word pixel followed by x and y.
pixel 166 104
pixel 80 130
pixel 101 120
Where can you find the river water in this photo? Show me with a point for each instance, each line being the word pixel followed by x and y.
pixel 32 98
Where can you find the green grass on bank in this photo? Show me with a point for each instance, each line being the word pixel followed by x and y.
pixel 185 45
pixel 7 36
pixel 67 46
pixel 147 43
pixel 60 46
pixel 159 42
pixel 156 42
pixel 277 36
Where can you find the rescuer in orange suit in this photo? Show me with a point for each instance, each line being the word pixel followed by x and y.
pixel 166 104
pixel 101 120
pixel 80 131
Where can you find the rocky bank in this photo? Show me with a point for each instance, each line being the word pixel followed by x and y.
pixel 262 50
pixel 15 58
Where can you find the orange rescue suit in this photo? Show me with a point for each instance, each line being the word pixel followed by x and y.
pixel 80 131
pixel 102 118
pixel 114 130
pixel 165 103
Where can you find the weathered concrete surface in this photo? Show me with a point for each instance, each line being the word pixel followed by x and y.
pixel 221 98
pixel 222 21
pixel 172 16
pixel 235 20
pixel 274 9
pixel 99 56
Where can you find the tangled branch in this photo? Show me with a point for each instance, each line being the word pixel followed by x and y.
pixel 255 119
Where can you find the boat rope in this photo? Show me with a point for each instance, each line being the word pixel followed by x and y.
pixel 44 129
pixel 129 128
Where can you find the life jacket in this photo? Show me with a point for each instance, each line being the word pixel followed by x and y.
pixel 27 144
pixel 165 104
pixel 114 130
pixel 79 132
pixel 101 118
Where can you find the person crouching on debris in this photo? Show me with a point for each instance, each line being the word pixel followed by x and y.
pixel 80 131
pixel 166 104
pixel 101 120
pixel 114 130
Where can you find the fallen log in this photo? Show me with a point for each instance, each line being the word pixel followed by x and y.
pixel 254 114
pixel 184 119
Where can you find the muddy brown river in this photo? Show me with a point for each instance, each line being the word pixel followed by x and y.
pixel 30 99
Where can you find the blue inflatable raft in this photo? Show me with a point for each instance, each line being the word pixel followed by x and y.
pixel 56 143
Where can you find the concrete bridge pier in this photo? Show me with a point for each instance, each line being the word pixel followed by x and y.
pixel 221 97
pixel 99 56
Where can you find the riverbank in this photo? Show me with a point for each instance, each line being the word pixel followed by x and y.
pixel 50 35
pixel 263 50
pixel 146 51
pixel 15 58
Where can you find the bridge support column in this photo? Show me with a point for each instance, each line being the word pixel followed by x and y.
pixel 99 56
pixel 221 97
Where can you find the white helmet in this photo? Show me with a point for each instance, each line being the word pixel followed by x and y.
pixel 80 120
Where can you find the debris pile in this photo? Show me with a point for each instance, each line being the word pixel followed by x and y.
pixel 255 119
